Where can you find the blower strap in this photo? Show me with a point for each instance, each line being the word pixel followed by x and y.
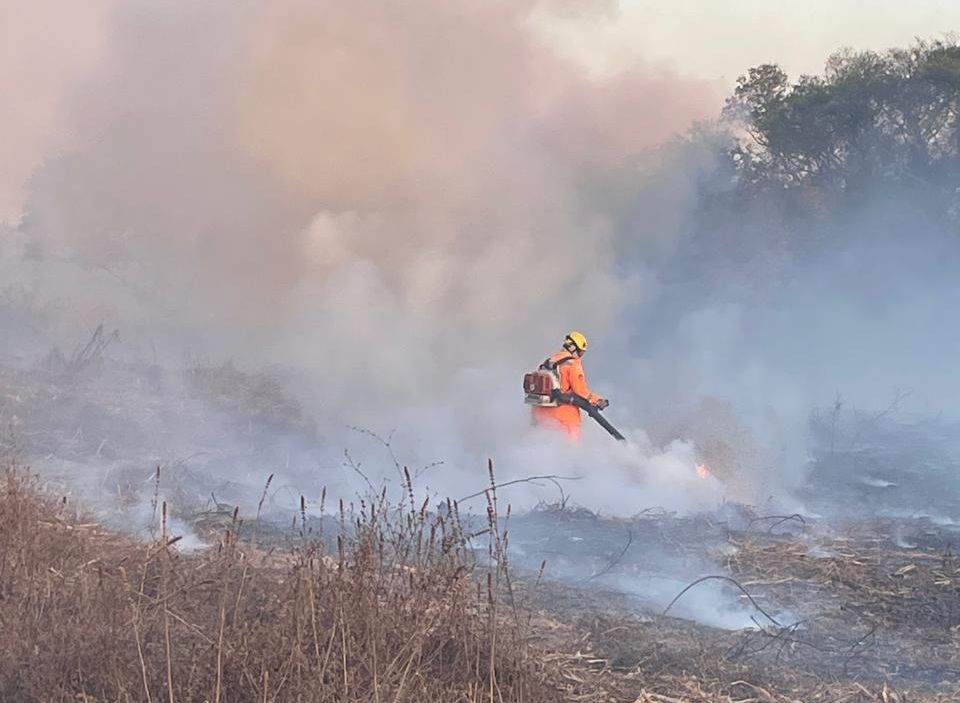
pixel 552 365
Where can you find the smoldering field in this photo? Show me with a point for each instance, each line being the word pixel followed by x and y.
pixel 332 237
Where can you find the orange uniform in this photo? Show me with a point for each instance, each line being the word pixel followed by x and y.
pixel 572 380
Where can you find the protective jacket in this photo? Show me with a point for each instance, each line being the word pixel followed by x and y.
pixel 572 380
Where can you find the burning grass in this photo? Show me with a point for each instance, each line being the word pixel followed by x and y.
pixel 394 606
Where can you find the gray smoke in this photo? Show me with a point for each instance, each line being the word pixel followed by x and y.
pixel 402 207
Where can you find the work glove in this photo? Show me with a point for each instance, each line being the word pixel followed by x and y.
pixel 602 404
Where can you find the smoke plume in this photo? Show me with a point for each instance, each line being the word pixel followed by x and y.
pixel 404 206
pixel 407 204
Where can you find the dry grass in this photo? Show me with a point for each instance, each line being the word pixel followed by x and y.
pixel 393 606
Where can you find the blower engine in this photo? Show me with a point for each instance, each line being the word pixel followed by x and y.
pixel 540 386
pixel 543 385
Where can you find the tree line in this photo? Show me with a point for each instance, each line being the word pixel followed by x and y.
pixel 871 122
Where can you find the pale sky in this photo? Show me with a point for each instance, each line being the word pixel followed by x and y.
pixel 720 39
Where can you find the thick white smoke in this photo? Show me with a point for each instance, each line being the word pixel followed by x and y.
pixel 407 204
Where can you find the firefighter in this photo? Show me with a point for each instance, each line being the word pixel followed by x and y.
pixel 568 367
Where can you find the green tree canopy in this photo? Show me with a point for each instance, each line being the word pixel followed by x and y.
pixel 872 119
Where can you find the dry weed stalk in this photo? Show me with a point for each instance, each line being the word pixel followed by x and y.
pixel 388 616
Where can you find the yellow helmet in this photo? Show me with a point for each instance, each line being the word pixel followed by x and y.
pixel 577 339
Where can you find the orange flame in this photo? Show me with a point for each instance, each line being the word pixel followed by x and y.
pixel 703 471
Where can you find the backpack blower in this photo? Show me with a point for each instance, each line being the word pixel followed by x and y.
pixel 542 388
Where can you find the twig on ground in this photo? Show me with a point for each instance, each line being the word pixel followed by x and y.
pixel 780 519
pixel 613 563
pixel 728 580
pixel 530 479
